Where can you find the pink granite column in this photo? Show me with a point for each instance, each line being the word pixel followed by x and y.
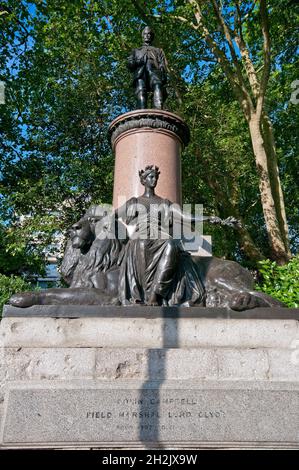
pixel 148 137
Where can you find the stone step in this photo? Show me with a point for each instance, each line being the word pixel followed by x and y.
pixel 127 332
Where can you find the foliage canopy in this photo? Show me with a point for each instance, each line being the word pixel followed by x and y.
pixel 64 65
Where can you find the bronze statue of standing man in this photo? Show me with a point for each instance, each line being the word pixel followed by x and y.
pixel 148 64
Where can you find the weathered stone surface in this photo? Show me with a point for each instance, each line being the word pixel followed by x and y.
pixel 238 364
pixel 196 364
pixel 283 364
pixel 49 364
pixel 147 333
pixel 156 364
pixel 28 364
pixel 130 412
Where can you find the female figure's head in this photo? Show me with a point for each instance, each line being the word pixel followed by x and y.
pixel 149 176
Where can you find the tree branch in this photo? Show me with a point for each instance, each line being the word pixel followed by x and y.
pixel 238 88
pixel 228 37
pixel 266 45
pixel 184 20
pixel 267 57
pixel 249 67
pixel 146 18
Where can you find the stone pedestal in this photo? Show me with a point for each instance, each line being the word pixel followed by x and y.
pixel 149 378
pixel 147 137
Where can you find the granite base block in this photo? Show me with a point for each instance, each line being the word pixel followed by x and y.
pixel 140 332
pixel 136 382
pixel 46 364
pixel 157 413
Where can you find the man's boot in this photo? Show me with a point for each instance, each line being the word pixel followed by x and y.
pixel 158 97
pixel 141 100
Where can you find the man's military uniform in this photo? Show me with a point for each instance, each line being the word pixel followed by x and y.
pixel 149 66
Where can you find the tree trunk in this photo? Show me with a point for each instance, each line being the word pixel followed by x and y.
pixel 269 142
pixel 248 246
pixel 270 210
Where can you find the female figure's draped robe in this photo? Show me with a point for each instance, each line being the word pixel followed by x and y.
pixel 153 262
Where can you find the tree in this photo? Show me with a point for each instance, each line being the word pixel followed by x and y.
pixel 220 157
pixel 244 56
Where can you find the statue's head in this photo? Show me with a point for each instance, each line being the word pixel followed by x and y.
pixel 82 233
pixel 147 35
pixel 149 176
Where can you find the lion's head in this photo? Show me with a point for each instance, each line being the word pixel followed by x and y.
pixel 91 248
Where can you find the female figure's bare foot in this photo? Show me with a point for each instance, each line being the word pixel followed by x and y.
pixel 153 300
